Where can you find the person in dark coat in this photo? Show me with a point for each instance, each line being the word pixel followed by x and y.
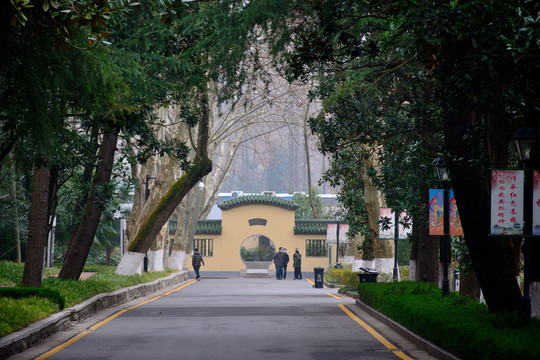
pixel 278 257
pixel 284 262
pixel 297 265
pixel 196 261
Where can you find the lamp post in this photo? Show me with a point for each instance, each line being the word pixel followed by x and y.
pixel 444 178
pixel 198 195
pixel 525 140
pixel 395 274
pixel 337 214
pixel 146 196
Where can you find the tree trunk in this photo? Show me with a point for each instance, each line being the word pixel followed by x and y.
pixel 488 254
pixel 13 196
pixel 155 221
pixel 86 178
pixel 427 266
pixel 108 252
pixel 468 285
pixel 82 242
pixel 308 163
pixel 37 237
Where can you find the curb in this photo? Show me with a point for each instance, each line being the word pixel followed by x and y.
pixel 422 343
pixel 35 333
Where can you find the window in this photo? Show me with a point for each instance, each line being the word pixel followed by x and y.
pixel 315 247
pixel 205 246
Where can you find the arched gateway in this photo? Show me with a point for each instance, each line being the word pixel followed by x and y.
pixel 252 228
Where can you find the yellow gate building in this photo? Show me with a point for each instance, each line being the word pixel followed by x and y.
pixel 251 230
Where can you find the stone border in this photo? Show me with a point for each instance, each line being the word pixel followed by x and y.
pixel 423 344
pixel 35 333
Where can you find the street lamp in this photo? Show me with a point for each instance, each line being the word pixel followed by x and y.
pixel 146 196
pixel 395 274
pixel 444 178
pixel 338 218
pixel 525 139
pixel 147 189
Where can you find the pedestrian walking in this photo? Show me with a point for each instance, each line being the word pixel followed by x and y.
pixel 196 261
pixel 278 257
pixel 297 265
pixel 284 262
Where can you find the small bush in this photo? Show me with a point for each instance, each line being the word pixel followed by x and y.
pixel 343 276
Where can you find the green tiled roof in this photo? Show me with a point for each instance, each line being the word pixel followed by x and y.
pixel 315 227
pixel 208 227
pixel 257 200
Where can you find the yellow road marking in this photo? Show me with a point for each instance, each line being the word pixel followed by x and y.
pixel 402 355
pixel 368 328
pixel 160 296
pixel 103 322
pixel 311 282
pixel 63 346
pixel 334 296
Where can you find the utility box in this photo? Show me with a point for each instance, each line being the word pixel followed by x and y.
pixel 319 277
pixel 368 275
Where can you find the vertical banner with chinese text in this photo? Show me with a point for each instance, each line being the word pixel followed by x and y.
pixel 343 230
pixel 456 228
pixel 331 233
pixel 507 202
pixel 536 203
pixel 386 224
pixel 436 213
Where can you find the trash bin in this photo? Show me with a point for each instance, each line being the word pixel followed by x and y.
pixel 368 275
pixel 319 277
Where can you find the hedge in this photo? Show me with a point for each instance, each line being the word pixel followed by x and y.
pixel 458 324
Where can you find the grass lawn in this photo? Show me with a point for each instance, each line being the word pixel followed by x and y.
pixel 16 314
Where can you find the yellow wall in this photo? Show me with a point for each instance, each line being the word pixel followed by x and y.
pixel 236 228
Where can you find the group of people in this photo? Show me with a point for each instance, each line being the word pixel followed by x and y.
pixel 281 260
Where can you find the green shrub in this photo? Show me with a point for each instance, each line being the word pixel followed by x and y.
pixel 18 310
pixel 24 292
pixel 10 273
pixel 457 324
pixel 343 276
pixel 260 253
pixel 16 314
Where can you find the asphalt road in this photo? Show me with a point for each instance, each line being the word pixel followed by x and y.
pixel 235 318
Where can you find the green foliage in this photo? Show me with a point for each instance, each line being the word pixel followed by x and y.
pixel 458 324
pixel 260 253
pixel 16 314
pixel 18 310
pixel 104 281
pixel 23 292
pixel 343 276
pixel 10 272
pixel 305 211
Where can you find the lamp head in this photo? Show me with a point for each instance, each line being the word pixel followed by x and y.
pixel 525 140
pixel 442 171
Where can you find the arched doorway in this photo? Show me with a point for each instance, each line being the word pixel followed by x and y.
pixel 257 253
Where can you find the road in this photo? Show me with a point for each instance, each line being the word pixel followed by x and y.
pixel 234 318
